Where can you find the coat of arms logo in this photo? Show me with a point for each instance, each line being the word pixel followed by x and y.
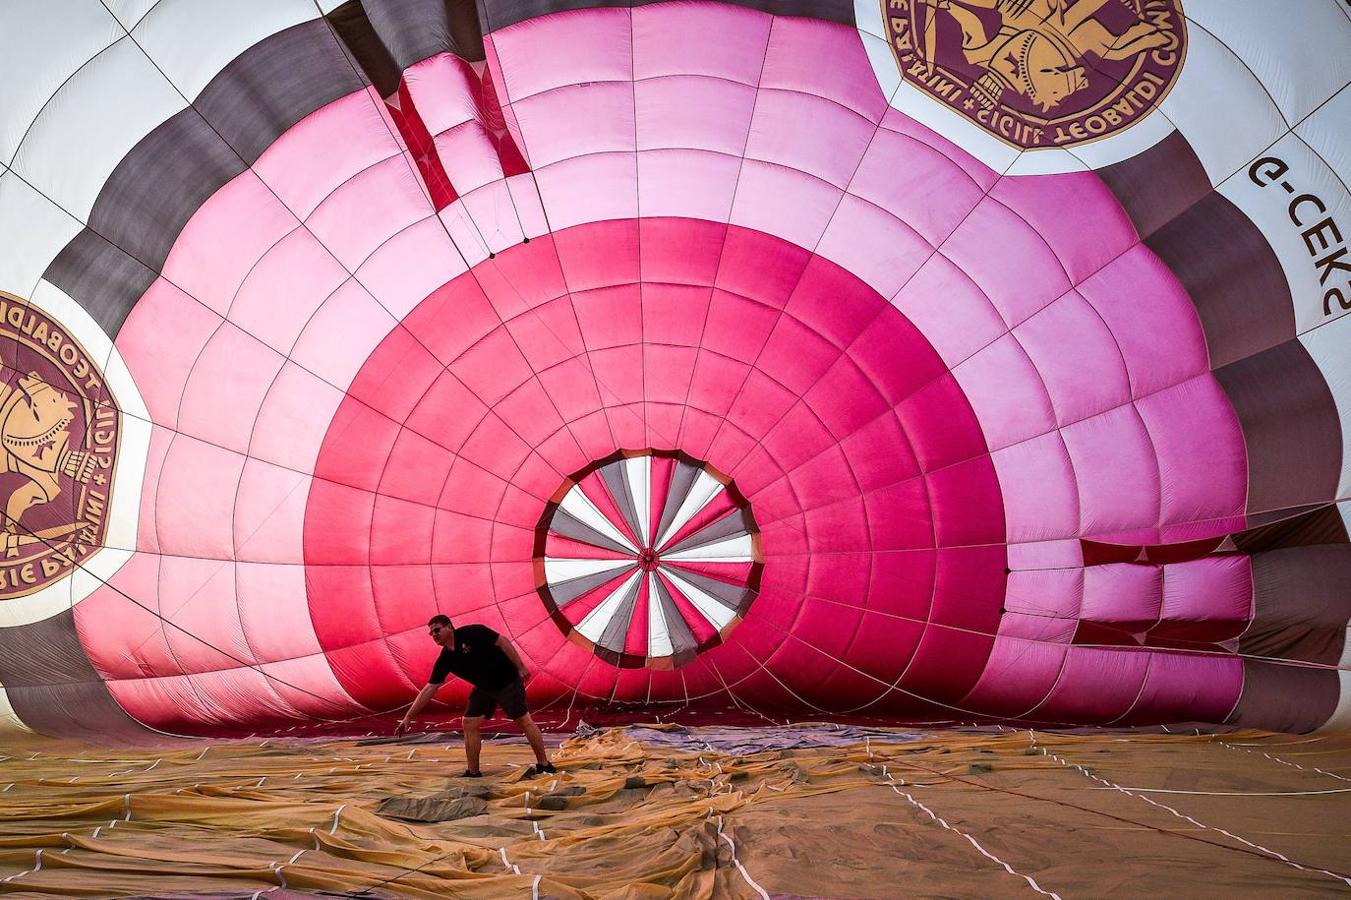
pixel 1041 73
pixel 58 448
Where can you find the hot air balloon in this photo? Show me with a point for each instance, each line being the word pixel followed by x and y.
pixel 967 361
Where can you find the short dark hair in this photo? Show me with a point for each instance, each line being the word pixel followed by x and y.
pixel 443 621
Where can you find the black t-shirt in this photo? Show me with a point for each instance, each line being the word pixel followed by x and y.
pixel 475 657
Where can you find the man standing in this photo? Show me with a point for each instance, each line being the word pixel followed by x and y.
pixel 486 660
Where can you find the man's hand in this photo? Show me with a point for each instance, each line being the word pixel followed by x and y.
pixel 401 729
pixel 524 673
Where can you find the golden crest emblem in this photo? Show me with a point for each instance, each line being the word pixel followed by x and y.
pixel 1041 73
pixel 58 448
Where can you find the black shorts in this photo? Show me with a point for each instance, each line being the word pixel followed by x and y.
pixel 482 701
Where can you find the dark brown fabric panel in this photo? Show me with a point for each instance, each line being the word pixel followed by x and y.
pixel 1290 426
pixel 1157 185
pixel 356 32
pixel 497 14
pixel 276 83
pixel 99 277
pixel 159 184
pixel 86 711
pixel 1232 275
pixel 1320 526
pixel 54 688
pixel 413 30
pixel 1287 698
pixel 1301 603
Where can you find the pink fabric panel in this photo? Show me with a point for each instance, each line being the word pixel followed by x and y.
pixel 1116 470
pixel 1007 393
pixel 410 265
pixel 1096 686
pixel 469 156
pixel 307 686
pixel 1019 674
pixel 589 189
pixel 196 498
pixel 273 610
pixel 122 638
pixel 1123 595
pixel 1008 260
pixel 1151 318
pixel 917 184
pixel 341 335
pixel 829 150
pixel 1077 359
pixel 1186 688
pixel 299 269
pixel 226 388
pixel 693 111
pixel 225 238
pixel 269 513
pixel 674 39
pixel 161 368
pixel 1052 593
pixel 368 210
pixel 577 120
pixel 1207 599
pixel 874 245
pixel 982 175
pixel 445 90
pixel 783 202
pixel 689 183
pixel 1202 457
pixel 147 532
pixel 1064 208
pixel 847 78
pixel 566 48
pixel 293 418
pixel 198 596
pixel 1037 481
pixel 952 312
pixel 325 149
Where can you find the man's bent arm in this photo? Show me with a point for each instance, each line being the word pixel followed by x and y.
pixel 510 651
pixel 424 697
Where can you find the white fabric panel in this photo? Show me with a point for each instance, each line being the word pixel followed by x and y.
pixel 130 12
pixel 557 570
pixel 32 231
pixel 1330 348
pixel 1345 510
pixel 91 124
pixel 658 632
pixel 192 40
pixel 9 720
pixel 709 608
pixel 1299 54
pixel 42 44
pixel 638 474
pixel 1341 717
pixel 1221 107
pixel 737 549
pixel 580 507
pixel 1328 132
pixel 1292 209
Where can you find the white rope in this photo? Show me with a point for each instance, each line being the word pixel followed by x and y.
pixel 1116 787
pixel 1284 762
pixel 1145 790
pixel 534 888
pixel 974 843
pixel 740 868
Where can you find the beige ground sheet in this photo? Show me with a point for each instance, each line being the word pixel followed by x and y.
pixel 659 812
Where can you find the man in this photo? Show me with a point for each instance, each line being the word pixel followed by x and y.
pixel 486 660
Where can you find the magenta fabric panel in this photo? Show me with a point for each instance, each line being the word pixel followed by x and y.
pixel 1206 599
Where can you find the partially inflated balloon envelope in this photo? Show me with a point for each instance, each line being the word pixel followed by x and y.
pixel 909 361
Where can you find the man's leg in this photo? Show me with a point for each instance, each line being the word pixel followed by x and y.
pixel 531 731
pixel 473 741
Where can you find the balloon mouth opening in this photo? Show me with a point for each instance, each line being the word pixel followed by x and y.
pixel 648 558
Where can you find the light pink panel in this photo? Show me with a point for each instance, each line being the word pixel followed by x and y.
pixel 1077 359
pixel 445 91
pixel 674 39
pixel 281 293
pixel 325 149
pixel 368 210
pixel 226 388
pixel 566 48
pixel 225 239
pixel 693 111
pixel 1117 472
pixel 161 368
